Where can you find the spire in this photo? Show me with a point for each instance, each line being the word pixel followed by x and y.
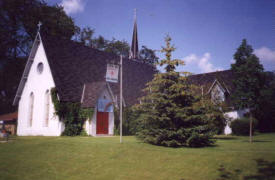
pixel 134 47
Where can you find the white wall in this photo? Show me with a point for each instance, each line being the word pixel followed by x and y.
pixel 38 84
pixel 91 125
pixel 232 115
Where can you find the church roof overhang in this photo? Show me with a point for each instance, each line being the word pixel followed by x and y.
pixel 27 69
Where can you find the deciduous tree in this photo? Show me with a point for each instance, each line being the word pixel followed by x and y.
pixel 18 27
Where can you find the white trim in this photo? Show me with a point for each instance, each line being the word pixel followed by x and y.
pixel 83 91
pixel 226 88
pixel 111 93
pixel 26 71
pixel 216 81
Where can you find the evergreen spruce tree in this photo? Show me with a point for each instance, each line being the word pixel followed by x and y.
pixel 248 77
pixel 170 114
pixel 248 80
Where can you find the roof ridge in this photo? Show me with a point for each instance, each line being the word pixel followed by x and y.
pixel 211 72
pixel 45 37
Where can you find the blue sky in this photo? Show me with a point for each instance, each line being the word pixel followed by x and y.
pixel 206 33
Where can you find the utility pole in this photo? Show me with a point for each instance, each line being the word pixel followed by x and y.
pixel 250 131
pixel 120 114
pixel 250 117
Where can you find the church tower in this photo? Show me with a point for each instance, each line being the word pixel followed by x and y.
pixel 134 47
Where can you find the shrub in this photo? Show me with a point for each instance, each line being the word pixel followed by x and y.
pixel 217 120
pixel 163 137
pixel 116 131
pixel 83 133
pixel 71 113
pixel 181 137
pixel 130 121
pixel 242 126
pixel 199 140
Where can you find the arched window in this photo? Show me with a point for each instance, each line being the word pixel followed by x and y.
pixel 31 109
pixel 47 107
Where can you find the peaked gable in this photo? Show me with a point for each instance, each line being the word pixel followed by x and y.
pixel 208 80
pixel 27 69
pixel 221 85
pixel 91 92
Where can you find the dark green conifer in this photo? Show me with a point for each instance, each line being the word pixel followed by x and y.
pixel 171 115
pixel 248 77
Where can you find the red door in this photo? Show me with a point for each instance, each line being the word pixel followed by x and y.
pixel 102 123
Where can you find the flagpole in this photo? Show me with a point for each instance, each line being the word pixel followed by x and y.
pixel 120 114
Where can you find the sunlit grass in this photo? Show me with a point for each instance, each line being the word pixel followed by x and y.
pixel 84 158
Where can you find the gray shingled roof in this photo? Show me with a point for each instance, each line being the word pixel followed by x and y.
pixel 74 65
pixel 91 92
pixel 206 80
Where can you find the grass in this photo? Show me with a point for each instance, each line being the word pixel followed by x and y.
pixel 74 158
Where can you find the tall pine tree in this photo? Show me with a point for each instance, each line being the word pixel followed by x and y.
pixel 170 114
pixel 248 74
pixel 248 80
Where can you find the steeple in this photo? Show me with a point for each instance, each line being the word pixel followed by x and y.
pixel 134 47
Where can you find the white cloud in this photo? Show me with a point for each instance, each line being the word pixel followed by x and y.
pixel 190 59
pixel 232 61
pixel 265 54
pixel 72 6
pixel 202 62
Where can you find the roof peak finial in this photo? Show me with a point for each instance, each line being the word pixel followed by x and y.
pixel 135 14
pixel 39 25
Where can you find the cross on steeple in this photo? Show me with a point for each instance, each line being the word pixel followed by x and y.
pixel 39 24
pixel 134 47
pixel 135 14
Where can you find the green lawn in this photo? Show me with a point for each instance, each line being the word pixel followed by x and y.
pixel 65 158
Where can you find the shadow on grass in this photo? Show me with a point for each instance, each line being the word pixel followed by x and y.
pixel 226 174
pixel 225 138
pixel 265 171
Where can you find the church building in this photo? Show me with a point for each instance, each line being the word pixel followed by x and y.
pixel 78 73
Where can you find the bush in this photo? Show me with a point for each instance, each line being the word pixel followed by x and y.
pixel 242 126
pixel 71 129
pixel 83 133
pixel 170 138
pixel 130 121
pixel 71 113
pixel 217 120
pixel 163 137
pixel 199 140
